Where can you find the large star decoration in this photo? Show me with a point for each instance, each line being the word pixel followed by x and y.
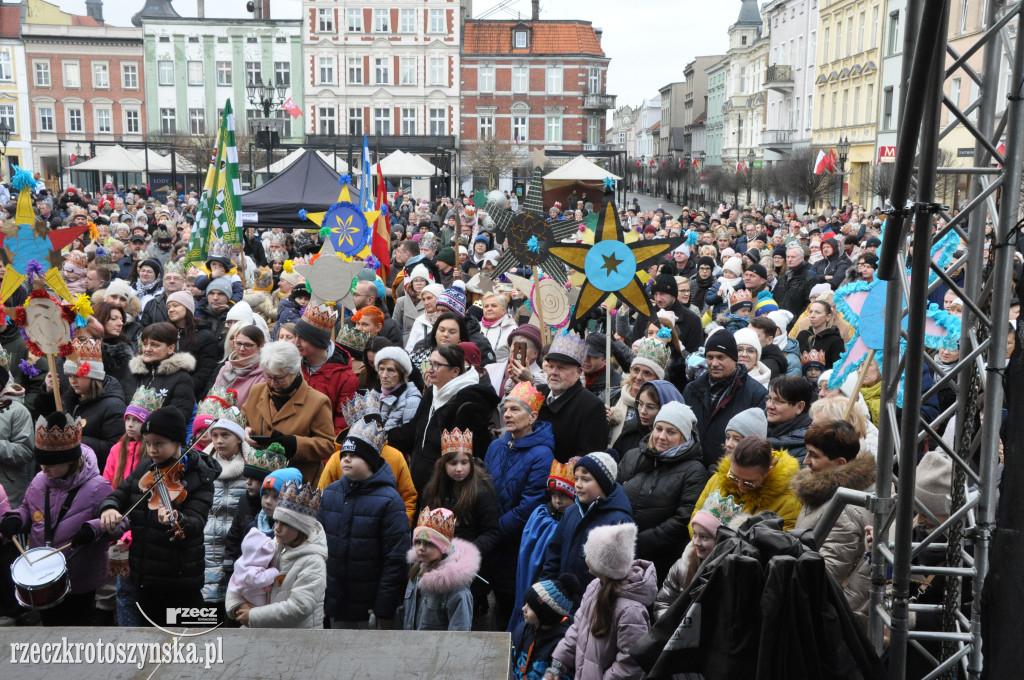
pixel 340 219
pixel 330 277
pixel 525 226
pixel 23 243
pixel 611 265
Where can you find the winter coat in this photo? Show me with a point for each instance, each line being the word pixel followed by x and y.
pixel 130 461
pixel 466 404
pixel 336 380
pixel 833 267
pixel 497 335
pixel 607 657
pixel 532 648
pixel 537 533
pixel 154 559
pixel 207 349
pixel 793 290
pixel 564 554
pixel 577 420
pixel 400 406
pixel 103 415
pixel 688 327
pixel 399 468
pixel 239 375
pixel 297 596
pixel 829 341
pixel 774 495
pixel 519 471
pixel 844 548
pixel 367 537
pixel 172 374
pixel 306 415
pixel 17 444
pixel 405 314
pixel 481 527
pixel 789 435
pixel 440 599
pixel 87 565
pixel 775 361
pixel 421 328
pixel 745 393
pixel 228 489
pixel 662 489
pixel 287 312
pixel 117 354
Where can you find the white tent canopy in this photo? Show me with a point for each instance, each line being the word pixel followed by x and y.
pixel 160 163
pixel 580 169
pixel 113 159
pixel 279 165
pixel 401 164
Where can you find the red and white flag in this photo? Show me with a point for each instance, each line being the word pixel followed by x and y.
pixel 292 108
pixel 741 167
pixel 823 162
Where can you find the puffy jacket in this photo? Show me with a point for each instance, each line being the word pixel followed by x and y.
pixel 336 380
pixel 87 565
pixel 440 598
pixel 287 312
pixel 207 352
pixel 774 495
pixel 117 354
pixel 400 406
pixel 537 533
pixel 17 444
pixel 789 436
pixel 228 489
pixel 662 489
pixel 791 349
pixel 245 513
pixel 829 341
pixel 154 559
pixel 172 374
pixel 519 470
pixel 103 415
pixel 607 657
pixel 834 267
pixel 532 648
pixel 744 393
pixel 367 538
pixel 399 468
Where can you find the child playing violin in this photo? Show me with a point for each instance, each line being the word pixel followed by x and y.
pixel 166 556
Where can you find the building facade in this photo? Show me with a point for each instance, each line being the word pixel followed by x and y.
pixel 792 27
pixel 888 115
pixel 743 110
pixel 713 125
pixel 14 93
pixel 695 101
pixel 540 84
pixel 673 118
pixel 622 135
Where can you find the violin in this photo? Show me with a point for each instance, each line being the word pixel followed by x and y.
pixel 165 487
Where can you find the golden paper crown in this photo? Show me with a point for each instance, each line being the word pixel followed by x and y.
pixel 441 520
pixel 360 406
pixel 321 317
pixel 457 440
pixel 59 437
pixel 175 267
pixel 87 349
pixel 562 477
pixel 813 356
pixel 529 395
pixel 148 399
pixel 301 498
pixel 352 337
pixel 369 431
pixel 741 296
pixel 217 402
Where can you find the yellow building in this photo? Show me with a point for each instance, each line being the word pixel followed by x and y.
pixel 848 68
pixel 14 103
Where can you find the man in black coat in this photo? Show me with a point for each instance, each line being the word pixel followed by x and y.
pixel 577 417
pixel 793 291
pixel 688 326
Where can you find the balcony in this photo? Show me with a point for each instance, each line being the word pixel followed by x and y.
pixel 777 140
pixel 598 102
pixel 779 77
pixel 587 146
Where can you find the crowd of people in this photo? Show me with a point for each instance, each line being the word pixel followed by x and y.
pixel 427 459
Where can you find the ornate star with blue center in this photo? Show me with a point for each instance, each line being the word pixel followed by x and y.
pixel 349 226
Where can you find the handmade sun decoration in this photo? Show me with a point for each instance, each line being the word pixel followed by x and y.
pixel 30 248
pixel 46 326
pixel 345 225
pixel 530 233
pixel 548 300
pixel 611 265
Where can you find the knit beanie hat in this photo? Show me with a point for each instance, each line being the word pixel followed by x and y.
pixel 434 289
pixel 750 423
pixel 168 422
pixel 610 550
pixel 276 480
pixel 298 505
pixel 748 336
pixel 454 300
pixel 552 601
pixel 120 288
pixel 58 439
pixel 722 341
pixel 447 255
pixel 603 467
pixel 934 483
pixel 365 440
pixel 561 478
pixel 220 284
pixel 706 261
pixel 184 299
pixel 765 304
pixel 154 265
pixel 734 265
pixel 679 416
pixel 316 324
pixel 665 283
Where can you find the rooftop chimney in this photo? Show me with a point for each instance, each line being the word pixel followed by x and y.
pixel 536 10
pixel 598 32
pixel 201 9
pixel 94 9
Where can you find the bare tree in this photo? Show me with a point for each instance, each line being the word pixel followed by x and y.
pixel 491 159
pixel 797 173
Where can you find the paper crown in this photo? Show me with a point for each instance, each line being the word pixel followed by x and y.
pixel 740 297
pixel 219 249
pixel 654 350
pixel 440 520
pixel 360 406
pixel 563 478
pixel 145 401
pixel 87 349
pixel 278 256
pixel 59 437
pixel 320 317
pixel 369 431
pixel 351 337
pixel 457 440
pixel 217 402
pixel 161 234
pixel 724 509
pixel 528 394
pixel 235 416
pixel 813 357
pixel 301 498
pixel 264 280
pixel 174 267
pixel 77 258
pixel 266 460
pixel 568 346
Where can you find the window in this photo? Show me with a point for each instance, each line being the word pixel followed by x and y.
pixel 355 21
pixel 743 40
pixel 835 104
pixel 521 40
pixel 874 29
pixel 407 71
pixel 132 121
pixel 165 72
pixel 46 123
pixel 437 71
pixel 406 21
pixel 382 121
pixel 381 21
pixel 253 72
pixel 195 73
pixel 826 37
pixel 326 120
pixel 326 70
pixel 101 75
pixel 286 123
pixel 593 131
pixel 6 65
pixel 408 121
pixel 485 127
pixel 381 75
pixel 103 120
pixel 485 79
pixel 42 71
pixel 130 76
pixel 869 114
pixel 849 35
pixel 223 72
pixel 325 20
pixel 167 123
pixel 437 22
pixel 963 16
pixel 839 40
pixel 7 116
pixel 355 121
pixel 861 30
pixel 821 113
pixel 846 105
pixel 196 122
pixel 72 77
pixel 594 81
pixel 283 72
pixel 438 124
pixel 520 129
pixel 893 45
pixel 75 120
pixel 554 81
pixel 954 91
pixel 553 129
pixel 355 70
pixel 856 106
pixel 520 79
pixel 887 108
pixel 810 113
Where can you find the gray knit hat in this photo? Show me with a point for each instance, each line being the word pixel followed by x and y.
pixel 934 483
pixel 750 423
pixel 679 416
pixel 220 284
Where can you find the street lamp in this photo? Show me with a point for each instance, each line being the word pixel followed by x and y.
pixel 266 96
pixel 739 137
pixel 5 136
pixel 686 178
pixel 843 146
pixel 703 157
pixel 750 168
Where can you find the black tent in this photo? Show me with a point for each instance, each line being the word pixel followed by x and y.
pixel 307 184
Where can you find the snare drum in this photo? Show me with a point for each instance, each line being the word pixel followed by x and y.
pixel 43 583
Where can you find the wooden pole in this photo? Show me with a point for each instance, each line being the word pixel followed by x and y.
pixel 860 381
pixel 537 304
pixel 608 356
pixel 51 360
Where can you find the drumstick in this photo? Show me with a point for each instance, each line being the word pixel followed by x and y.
pixel 55 551
pixel 17 544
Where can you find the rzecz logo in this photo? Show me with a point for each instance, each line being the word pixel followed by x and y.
pixel 178 616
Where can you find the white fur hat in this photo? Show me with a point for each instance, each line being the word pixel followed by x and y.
pixel 609 550
pixel 734 265
pixel 120 288
pixel 396 354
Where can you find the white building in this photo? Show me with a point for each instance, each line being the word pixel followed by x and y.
pixel 789 80
pixel 645 142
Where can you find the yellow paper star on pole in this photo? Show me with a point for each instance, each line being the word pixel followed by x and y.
pixel 344 229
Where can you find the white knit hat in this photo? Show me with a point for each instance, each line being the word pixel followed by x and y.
pixel 434 289
pixel 748 336
pixel 396 354
pixel 734 265
pixel 610 550
pixel 120 288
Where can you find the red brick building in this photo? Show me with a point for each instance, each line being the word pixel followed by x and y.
pixel 541 84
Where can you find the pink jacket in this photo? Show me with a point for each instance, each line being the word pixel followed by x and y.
pixel 110 467
pixel 253 576
pixel 607 658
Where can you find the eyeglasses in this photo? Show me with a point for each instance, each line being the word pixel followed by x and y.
pixel 749 486
pixel 434 366
pixel 277 378
pixel 779 402
pixel 244 345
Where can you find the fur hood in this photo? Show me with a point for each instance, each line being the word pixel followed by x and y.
pixel 775 485
pixel 815 490
pixel 455 572
pixel 179 361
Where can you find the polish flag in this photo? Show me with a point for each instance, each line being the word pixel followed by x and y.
pixel 741 167
pixel 696 162
pixel 821 164
pixel 290 106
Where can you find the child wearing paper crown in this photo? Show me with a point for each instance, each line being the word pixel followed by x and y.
pixel 443 568
pixel 545 619
pixel 125 454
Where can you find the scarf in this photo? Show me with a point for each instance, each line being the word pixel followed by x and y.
pixel 873 397
pixel 487 324
pixel 236 368
pixel 143 289
pixel 263 523
pixel 281 398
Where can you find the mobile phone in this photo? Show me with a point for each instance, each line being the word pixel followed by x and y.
pixel 519 351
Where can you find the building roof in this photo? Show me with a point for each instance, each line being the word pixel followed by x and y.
pixel 83 20
pixel 546 37
pixel 10 20
pixel 749 14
